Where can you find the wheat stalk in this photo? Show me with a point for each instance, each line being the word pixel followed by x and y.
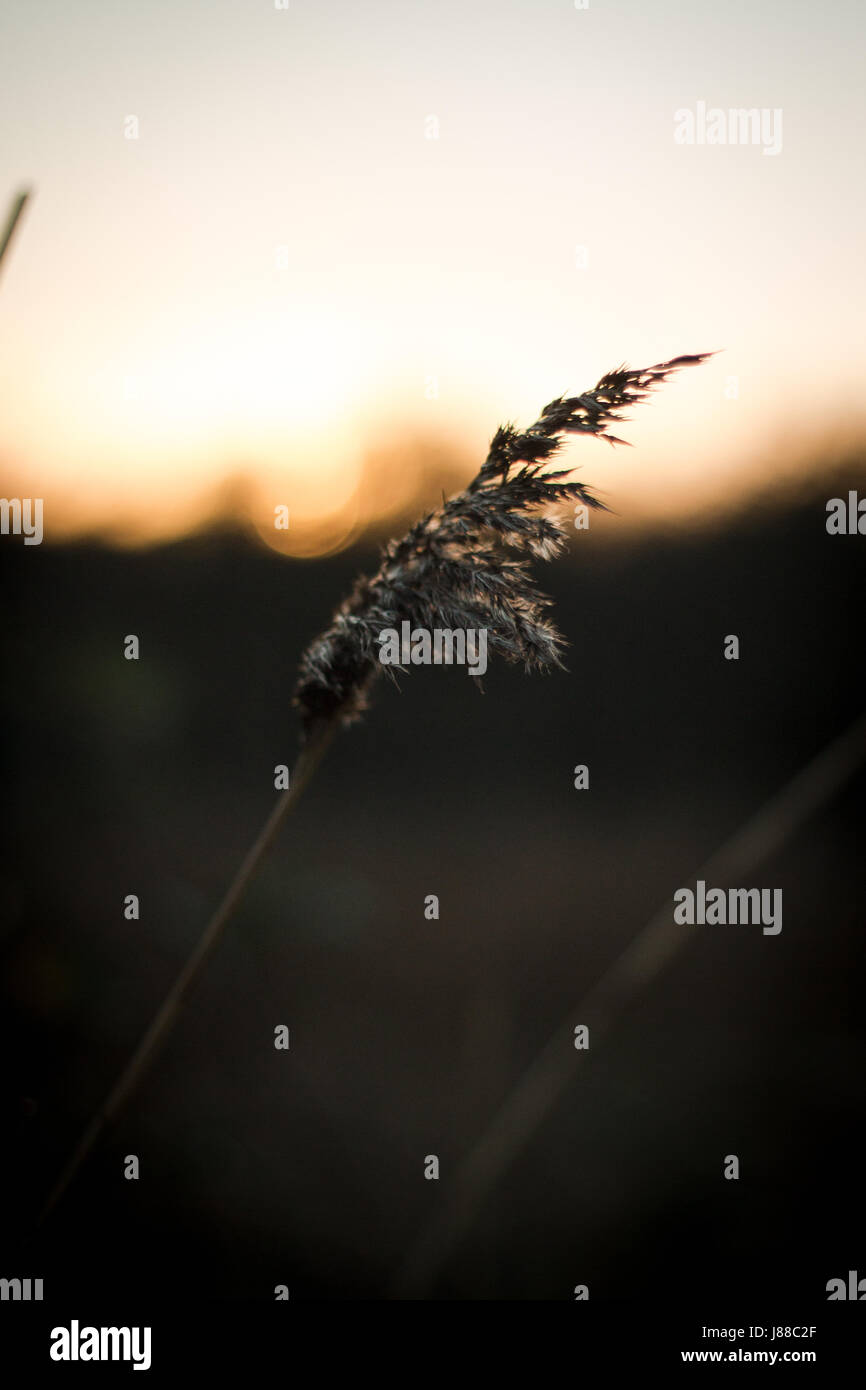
pixel 463 566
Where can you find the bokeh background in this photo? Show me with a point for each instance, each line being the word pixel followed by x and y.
pixel 346 243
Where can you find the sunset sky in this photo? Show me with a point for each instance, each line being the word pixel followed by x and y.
pixel 350 238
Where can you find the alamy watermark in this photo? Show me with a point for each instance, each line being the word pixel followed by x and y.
pixel 736 126
pixel 22 516
pixel 21 1290
pixel 846 518
pixel 77 1343
pixel 853 1288
pixel 736 906
pixel 440 647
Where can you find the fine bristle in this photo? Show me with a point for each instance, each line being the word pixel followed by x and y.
pixel 467 564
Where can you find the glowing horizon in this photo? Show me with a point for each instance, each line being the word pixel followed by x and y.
pixel 341 235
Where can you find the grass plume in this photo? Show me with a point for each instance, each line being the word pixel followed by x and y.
pixel 464 565
pixel 467 564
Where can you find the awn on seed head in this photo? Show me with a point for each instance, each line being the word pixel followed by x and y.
pixel 467 564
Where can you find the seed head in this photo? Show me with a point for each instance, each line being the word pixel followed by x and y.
pixel 466 565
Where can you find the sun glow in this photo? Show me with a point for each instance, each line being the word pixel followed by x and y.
pixel 259 376
pixel 293 276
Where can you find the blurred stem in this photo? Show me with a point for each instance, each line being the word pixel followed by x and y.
pixel 164 1020
pixel 12 222
pixel 625 981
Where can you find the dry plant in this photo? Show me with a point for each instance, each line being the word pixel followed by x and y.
pixel 464 566
pixel 14 217
pixel 467 564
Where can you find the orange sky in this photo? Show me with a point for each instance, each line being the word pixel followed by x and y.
pixel 350 239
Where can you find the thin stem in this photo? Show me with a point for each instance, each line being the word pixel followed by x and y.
pixel 642 962
pixel 12 220
pixel 167 1014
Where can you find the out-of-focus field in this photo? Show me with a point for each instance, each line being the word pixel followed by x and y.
pixel 306 1168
